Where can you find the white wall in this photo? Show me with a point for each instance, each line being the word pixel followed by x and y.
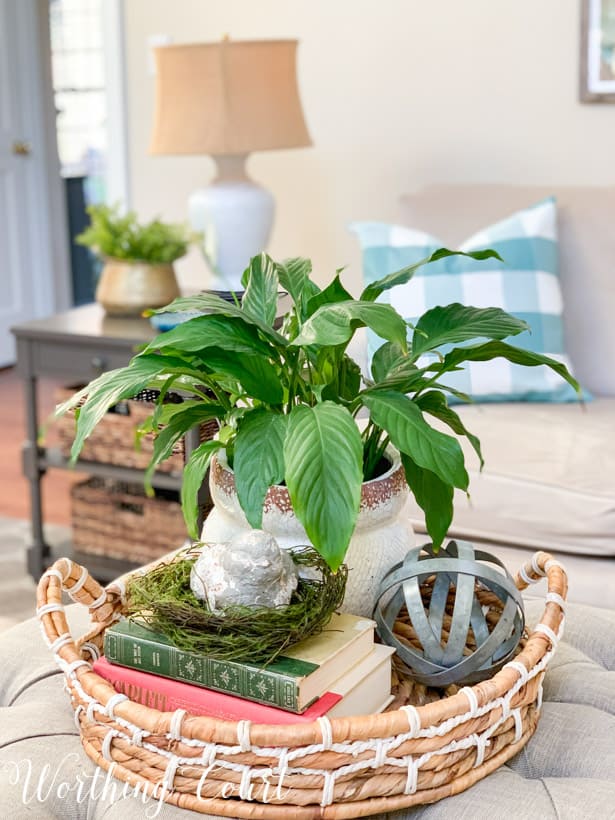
pixel 397 94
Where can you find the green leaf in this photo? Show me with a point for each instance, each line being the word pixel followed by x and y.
pixel 224 332
pixel 256 374
pixel 334 292
pixel 194 474
pixel 385 359
pixel 259 460
pixel 460 323
pixel 294 276
pixel 493 350
pixel 115 385
pixel 323 458
pixel 178 424
pixel 434 497
pixel 400 277
pixel 335 324
pixel 210 303
pixel 434 402
pixel 410 433
pixel 260 300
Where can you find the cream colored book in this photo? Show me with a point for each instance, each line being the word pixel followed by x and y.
pixel 366 687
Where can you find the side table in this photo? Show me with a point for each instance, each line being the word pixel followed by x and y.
pixel 79 345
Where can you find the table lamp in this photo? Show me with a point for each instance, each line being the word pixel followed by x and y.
pixel 228 99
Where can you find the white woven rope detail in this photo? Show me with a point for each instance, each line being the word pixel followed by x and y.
pixel 518 724
pixel 414 719
pixel 327 732
pixel 113 702
pixel 209 754
pixel 70 669
pixel 243 735
pixel 553 563
pixel 55 572
pixel 328 789
pixel 61 641
pixel 169 774
pixel 381 754
pixel 69 567
pixel 102 599
pixel 546 630
pixel 504 702
pixel 137 736
pixel 72 592
pixel 47 608
pixel 78 711
pixel 120 587
pixel 176 724
pixel 539 697
pixel 90 711
pixel 521 669
pixel 106 744
pixel 90 647
pixel 413 775
pixel 282 762
pixel 536 567
pixel 244 784
pixel 527 578
pixel 556 598
pixel 481 741
pixel 472 699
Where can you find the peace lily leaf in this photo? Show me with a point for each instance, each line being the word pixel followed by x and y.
pixel 335 324
pixel 178 425
pixel 493 350
pixel 433 496
pixel 434 403
pixel 210 303
pixel 256 374
pixel 400 277
pixel 385 358
pixel 294 276
pixel 460 323
pixel 323 458
pixel 260 300
pixel 410 433
pixel 259 460
pixel 334 292
pixel 193 477
pixel 224 332
pixel 115 385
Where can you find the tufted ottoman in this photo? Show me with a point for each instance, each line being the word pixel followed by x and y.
pixel 566 772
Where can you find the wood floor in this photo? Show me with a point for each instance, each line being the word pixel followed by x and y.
pixel 14 496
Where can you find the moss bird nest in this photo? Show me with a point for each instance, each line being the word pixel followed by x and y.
pixel 163 600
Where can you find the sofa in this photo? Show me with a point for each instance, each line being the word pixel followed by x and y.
pixel 549 476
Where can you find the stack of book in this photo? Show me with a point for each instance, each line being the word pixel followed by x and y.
pixel 338 673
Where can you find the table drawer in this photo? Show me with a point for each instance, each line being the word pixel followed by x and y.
pixel 80 362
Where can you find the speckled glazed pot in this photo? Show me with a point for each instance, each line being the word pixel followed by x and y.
pixel 382 537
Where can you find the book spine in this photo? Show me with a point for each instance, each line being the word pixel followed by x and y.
pixel 167 695
pixel 259 685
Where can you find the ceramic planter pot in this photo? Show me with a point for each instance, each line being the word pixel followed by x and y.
pixel 382 537
pixel 128 288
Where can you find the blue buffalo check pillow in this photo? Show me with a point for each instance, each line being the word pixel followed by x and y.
pixel 526 284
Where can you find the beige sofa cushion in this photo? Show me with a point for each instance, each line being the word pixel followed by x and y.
pixel 587 256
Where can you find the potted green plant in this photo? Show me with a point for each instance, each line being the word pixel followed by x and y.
pixel 288 402
pixel 138 259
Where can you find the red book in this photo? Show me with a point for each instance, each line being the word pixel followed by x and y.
pixel 167 695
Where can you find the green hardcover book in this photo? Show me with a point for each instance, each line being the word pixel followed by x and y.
pixel 292 682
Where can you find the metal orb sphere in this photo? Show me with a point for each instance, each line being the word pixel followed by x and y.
pixel 463 609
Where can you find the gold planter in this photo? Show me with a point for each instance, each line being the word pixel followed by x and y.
pixel 128 288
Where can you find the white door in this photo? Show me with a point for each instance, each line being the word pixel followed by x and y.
pixel 28 254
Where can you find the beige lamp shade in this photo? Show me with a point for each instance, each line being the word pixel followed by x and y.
pixel 227 98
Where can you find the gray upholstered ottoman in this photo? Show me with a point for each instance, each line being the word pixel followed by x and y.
pixel 567 770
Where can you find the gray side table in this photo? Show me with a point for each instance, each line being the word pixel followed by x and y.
pixel 77 345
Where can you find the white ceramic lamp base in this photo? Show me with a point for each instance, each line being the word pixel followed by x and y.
pixel 236 216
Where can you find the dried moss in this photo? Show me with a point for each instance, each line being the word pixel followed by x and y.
pixel 163 599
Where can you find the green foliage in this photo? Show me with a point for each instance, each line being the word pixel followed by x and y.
pixel 287 399
pixel 113 235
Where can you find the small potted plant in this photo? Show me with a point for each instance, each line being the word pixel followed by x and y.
pixel 138 259
pixel 291 455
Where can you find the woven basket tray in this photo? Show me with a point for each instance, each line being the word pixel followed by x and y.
pixel 113 440
pixel 338 768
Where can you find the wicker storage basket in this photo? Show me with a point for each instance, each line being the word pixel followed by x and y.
pixel 113 440
pixel 338 768
pixel 118 520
